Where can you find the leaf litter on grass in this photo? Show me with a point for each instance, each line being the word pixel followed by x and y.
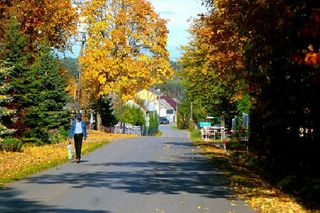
pixel 16 165
pixel 256 192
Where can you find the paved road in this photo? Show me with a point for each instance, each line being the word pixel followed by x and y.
pixel 141 175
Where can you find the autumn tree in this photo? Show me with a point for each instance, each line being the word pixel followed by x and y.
pixel 265 51
pixel 269 50
pixel 45 21
pixel 212 64
pixel 126 47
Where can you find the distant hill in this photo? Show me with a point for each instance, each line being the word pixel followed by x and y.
pixel 175 65
pixel 172 88
pixel 71 64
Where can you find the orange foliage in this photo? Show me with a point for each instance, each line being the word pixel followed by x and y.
pixel 312 58
pixel 217 51
pixel 48 21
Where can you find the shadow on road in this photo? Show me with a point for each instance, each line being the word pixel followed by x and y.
pixel 189 176
pixel 188 172
pixel 10 202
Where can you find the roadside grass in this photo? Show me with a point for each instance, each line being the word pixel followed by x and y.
pixel 33 159
pixel 258 193
pixel 159 134
pixel 175 128
pixel 195 135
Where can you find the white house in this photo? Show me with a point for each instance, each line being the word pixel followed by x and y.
pixel 165 106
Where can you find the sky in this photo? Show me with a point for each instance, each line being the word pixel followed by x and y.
pixel 177 13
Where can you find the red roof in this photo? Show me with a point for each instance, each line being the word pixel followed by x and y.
pixel 170 101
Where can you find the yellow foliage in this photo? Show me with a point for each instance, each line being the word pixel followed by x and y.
pixel 126 49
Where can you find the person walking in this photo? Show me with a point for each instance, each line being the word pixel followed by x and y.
pixel 78 131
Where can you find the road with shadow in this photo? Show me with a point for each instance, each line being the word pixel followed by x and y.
pixel 141 175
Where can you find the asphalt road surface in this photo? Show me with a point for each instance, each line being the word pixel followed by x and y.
pixel 140 175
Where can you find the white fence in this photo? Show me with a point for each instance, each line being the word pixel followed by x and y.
pixel 128 129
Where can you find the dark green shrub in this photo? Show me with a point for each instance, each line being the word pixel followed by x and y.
pixel 57 135
pixel 63 132
pixel 32 142
pixel 11 145
pixel 40 133
pixel 56 138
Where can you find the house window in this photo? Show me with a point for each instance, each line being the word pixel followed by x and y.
pixel 170 111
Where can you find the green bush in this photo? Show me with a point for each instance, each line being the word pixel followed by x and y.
pixel 195 134
pixel 153 123
pixel 34 141
pixel 63 132
pixel 181 121
pixel 57 135
pixel 133 115
pixel 11 145
pixel 40 133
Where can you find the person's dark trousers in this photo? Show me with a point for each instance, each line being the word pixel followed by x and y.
pixel 78 144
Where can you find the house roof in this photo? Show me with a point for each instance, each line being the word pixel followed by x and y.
pixel 170 101
pixel 165 104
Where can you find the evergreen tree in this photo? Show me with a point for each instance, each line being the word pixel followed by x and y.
pixel 106 111
pixel 5 98
pixel 37 87
pixel 43 96
pixel 13 50
pixel 153 128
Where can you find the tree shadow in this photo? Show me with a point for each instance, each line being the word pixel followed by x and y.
pixel 179 144
pixel 187 175
pixel 12 203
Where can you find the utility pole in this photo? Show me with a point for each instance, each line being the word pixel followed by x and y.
pixel 83 41
pixel 82 38
pixel 191 117
pixel 158 94
pixel 191 111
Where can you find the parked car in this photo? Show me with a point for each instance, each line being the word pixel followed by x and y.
pixel 164 120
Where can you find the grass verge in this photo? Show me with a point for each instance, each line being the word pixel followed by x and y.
pixel 258 193
pixel 159 134
pixel 17 165
pixel 195 135
pixel 174 128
